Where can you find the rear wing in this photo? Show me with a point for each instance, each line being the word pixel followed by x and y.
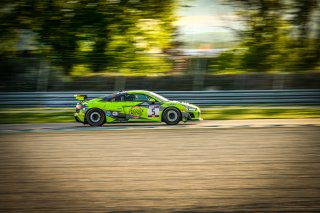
pixel 81 97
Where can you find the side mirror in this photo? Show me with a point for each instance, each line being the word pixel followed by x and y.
pixel 151 100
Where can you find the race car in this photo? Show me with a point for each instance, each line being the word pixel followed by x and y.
pixel 133 106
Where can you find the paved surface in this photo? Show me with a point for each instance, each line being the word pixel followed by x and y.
pixel 161 170
pixel 49 127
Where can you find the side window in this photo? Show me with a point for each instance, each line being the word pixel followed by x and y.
pixel 129 97
pixel 142 98
pixel 118 98
pixel 136 98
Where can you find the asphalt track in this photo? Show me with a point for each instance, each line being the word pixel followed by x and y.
pixel 226 166
pixel 70 127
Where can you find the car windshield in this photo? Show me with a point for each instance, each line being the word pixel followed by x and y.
pixel 159 97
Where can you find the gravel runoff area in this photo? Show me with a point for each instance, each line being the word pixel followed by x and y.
pixel 162 170
pixel 45 127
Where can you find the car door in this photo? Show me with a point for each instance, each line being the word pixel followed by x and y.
pixel 142 109
pixel 132 107
pixel 139 108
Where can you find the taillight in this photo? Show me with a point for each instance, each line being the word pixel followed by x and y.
pixel 79 106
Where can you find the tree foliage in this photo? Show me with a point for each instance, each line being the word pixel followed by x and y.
pixel 99 35
pixel 278 35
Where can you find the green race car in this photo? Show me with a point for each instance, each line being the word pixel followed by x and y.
pixel 133 106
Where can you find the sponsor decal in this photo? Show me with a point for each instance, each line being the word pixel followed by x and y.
pixel 153 110
pixel 115 113
pixel 135 112
pixel 108 113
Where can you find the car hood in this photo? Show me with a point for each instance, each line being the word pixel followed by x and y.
pixel 183 103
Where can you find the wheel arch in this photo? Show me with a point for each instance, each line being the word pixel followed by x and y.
pixel 93 108
pixel 170 107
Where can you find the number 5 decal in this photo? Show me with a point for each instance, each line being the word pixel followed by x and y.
pixel 153 110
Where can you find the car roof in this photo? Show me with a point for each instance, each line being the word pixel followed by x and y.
pixel 131 92
pixel 137 91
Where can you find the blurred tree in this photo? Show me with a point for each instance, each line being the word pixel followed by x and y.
pixel 302 16
pixel 307 42
pixel 264 28
pixel 277 35
pixel 101 35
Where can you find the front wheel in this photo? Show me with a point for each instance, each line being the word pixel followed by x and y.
pixel 95 117
pixel 172 116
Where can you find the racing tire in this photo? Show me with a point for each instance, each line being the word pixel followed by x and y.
pixel 172 116
pixel 95 117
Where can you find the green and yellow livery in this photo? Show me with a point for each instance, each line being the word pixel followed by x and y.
pixel 133 106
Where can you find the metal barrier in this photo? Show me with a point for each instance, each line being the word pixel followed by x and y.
pixel 201 98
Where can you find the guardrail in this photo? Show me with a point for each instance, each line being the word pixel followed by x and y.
pixel 201 98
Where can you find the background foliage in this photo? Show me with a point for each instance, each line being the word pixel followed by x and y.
pixel 89 36
pixel 46 43
pixel 278 35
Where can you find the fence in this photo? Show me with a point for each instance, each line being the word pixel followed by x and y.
pixel 201 98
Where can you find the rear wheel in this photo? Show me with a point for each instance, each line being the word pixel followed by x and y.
pixel 172 116
pixel 95 117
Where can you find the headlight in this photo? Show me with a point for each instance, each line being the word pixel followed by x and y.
pixel 192 109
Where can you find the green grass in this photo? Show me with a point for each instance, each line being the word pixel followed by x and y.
pixel 66 115
pixel 260 113
pixel 36 117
